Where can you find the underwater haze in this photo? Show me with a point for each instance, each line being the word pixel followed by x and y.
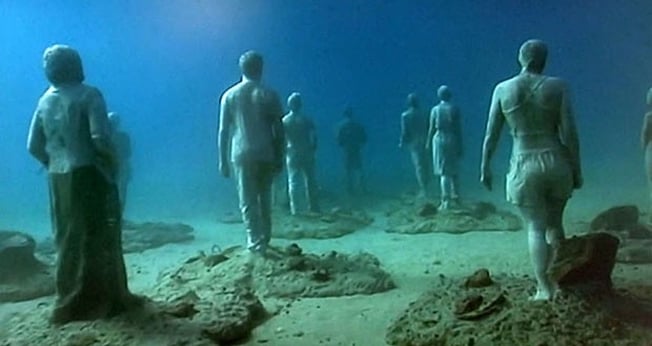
pixel 162 65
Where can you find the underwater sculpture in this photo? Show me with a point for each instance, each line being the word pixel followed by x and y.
pixel 445 139
pixel 545 161
pixel 646 143
pixel 122 143
pixel 69 135
pixel 301 139
pixel 251 142
pixel 351 137
pixel 414 129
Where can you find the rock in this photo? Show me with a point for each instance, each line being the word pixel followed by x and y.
pixel 500 314
pixel 284 274
pixel 480 278
pixel 17 256
pixel 183 306
pixel 482 210
pixel 480 216
pixel 427 209
pixel 336 223
pixel 294 250
pixel 233 319
pixel 616 219
pixel 585 260
pixel 635 252
pixel 467 304
pixel 141 236
pixel 22 276
pixel 639 231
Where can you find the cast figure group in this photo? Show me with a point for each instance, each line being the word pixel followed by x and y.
pixel 435 144
pixel 70 134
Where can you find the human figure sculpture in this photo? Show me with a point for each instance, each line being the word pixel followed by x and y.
pixel 301 145
pixel 445 139
pixel 251 143
pixel 646 143
pixel 414 132
pixel 122 143
pixel 351 137
pixel 545 159
pixel 70 136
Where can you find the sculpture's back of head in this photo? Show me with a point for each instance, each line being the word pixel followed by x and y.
pixel 62 65
pixel 444 93
pixel 294 101
pixel 413 100
pixel 251 65
pixel 532 55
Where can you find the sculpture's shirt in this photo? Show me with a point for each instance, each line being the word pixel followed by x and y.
pixel 66 122
pixel 249 112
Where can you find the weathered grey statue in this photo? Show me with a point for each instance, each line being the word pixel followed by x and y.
pixel 122 143
pixel 646 142
pixel 351 137
pixel 70 135
pixel 445 137
pixel 545 162
pixel 301 144
pixel 414 131
pixel 251 141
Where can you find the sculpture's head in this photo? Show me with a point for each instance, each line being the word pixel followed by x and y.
pixel 251 65
pixel 532 55
pixel 294 101
pixel 648 98
pixel 62 65
pixel 114 119
pixel 444 93
pixel 413 100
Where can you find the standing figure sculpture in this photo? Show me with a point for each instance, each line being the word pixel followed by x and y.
pixel 545 160
pixel 646 143
pixel 301 145
pixel 70 135
pixel 122 143
pixel 251 142
pixel 445 137
pixel 351 137
pixel 414 131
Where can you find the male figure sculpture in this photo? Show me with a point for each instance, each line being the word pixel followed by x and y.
pixel 301 144
pixel 445 137
pixel 122 143
pixel 69 134
pixel 646 142
pixel 251 141
pixel 414 130
pixel 351 137
pixel 545 161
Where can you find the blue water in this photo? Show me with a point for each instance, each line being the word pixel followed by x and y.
pixel 163 65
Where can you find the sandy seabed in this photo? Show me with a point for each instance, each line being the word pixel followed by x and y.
pixel 416 263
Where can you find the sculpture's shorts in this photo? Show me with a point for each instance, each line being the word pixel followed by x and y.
pixel 538 176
